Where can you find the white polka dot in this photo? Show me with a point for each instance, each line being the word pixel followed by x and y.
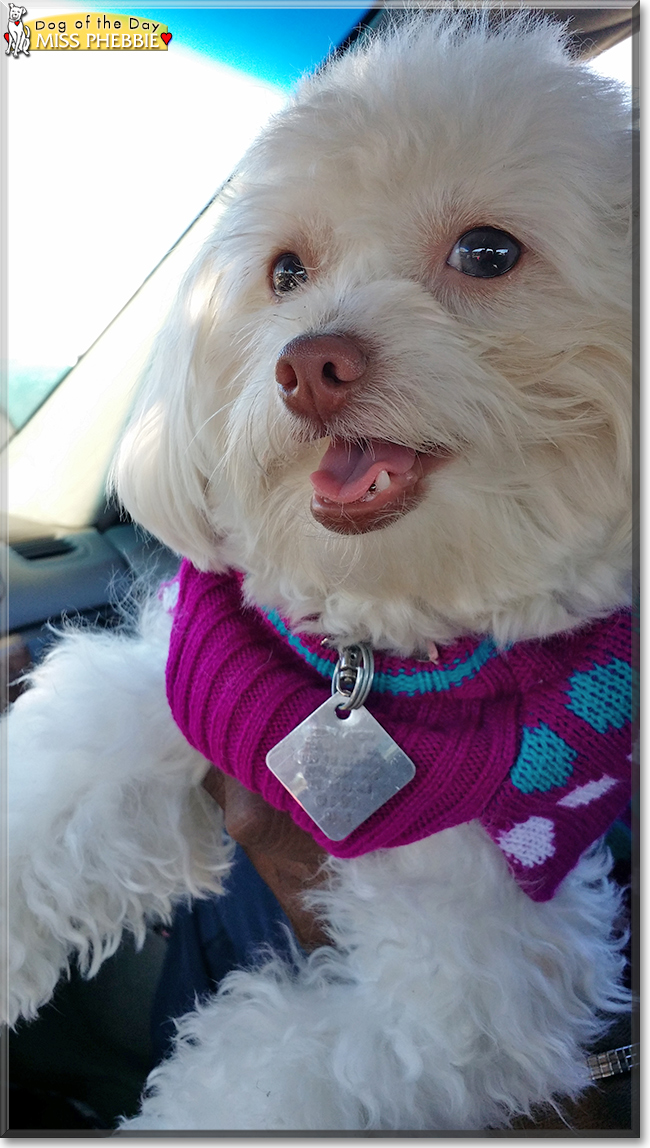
pixel 530 842
pixel 168 595
pixel 584 794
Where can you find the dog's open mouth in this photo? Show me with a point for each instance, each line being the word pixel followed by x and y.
pixel 368 484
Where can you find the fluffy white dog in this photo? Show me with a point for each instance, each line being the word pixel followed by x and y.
pixel 395 395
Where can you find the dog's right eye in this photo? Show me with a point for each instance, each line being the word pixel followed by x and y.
pixel 485 252
pixel 288 273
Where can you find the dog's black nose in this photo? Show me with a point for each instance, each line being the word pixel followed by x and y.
pixel 317 373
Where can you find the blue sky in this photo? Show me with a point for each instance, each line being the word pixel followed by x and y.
pixel 274 44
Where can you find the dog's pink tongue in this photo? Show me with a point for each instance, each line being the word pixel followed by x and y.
pixel 348 469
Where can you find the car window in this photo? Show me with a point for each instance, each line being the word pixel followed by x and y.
pixel 113 154
pixel 616 63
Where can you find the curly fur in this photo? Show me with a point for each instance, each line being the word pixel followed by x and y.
pixel 448 999
pixel 451 1001
pixel 90 851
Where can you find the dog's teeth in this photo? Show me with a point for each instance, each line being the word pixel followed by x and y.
pixel 382 482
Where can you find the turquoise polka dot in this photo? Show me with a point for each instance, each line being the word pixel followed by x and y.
pixel 602 696
pixel 545 761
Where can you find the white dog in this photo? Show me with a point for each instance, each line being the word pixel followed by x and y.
pixel 395 396
pixel 17 35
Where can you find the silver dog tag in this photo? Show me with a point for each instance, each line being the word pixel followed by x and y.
pixel 340 769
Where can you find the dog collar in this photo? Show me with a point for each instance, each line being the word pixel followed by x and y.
pixel 397 677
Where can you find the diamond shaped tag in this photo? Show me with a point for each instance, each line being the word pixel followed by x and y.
pixel 340 769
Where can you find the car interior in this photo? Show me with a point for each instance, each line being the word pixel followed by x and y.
pixel 71 556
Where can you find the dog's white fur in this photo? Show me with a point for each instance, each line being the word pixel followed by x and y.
pixel 449 1000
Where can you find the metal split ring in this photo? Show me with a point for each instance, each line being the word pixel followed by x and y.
pixel 353 675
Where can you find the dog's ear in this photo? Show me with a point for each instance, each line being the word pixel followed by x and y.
pixel 159 474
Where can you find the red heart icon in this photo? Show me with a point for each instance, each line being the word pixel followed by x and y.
pixel 16 22
pixel 7 37
pixel 166 37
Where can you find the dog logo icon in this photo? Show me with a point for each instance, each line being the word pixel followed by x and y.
pixel 17 35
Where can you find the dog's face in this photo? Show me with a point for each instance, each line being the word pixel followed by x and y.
pixel 396 388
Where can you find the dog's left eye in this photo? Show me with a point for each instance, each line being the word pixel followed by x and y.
pixel 288 273
pixel 485 252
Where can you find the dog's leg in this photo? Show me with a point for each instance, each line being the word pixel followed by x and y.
pixel 107 822
pixel 451 1002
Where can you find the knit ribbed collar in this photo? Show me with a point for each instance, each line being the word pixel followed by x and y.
pixel 406 677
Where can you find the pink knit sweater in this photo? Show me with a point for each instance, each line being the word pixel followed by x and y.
pixel 533 741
